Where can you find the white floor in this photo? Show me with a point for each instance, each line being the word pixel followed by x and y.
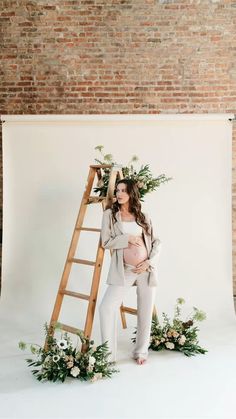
pixel 170 385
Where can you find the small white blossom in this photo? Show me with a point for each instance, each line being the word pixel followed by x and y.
pixel 92 360
pixel 75 371
pixel 55 358
pixel 157 342
pixel 182 339
pixel 170 345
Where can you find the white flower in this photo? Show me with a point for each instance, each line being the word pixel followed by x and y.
pixel 62 344
pixel 75 371
pixel 162 339
pixel 182 339
pixel 92 360
pixel 170 345
pixel 157 342
pixel 55 358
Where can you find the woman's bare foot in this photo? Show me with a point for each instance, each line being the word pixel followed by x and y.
pixel 140 361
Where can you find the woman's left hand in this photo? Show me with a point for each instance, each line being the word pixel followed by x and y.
pixel 141 267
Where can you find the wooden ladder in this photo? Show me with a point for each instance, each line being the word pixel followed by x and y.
pixel 115 172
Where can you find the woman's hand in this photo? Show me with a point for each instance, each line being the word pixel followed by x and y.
pixel 135 240
pixel 141 267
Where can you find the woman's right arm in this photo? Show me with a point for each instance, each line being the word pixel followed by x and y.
pixel 108 240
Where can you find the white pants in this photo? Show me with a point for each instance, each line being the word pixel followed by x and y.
pixel 109 309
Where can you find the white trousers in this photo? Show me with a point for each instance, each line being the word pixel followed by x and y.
pixel 109 309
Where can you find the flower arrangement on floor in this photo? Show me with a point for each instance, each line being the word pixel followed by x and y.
pixel 144 178
pixel 61 359
pixel 177 335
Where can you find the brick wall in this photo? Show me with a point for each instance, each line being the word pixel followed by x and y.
pixel 120 56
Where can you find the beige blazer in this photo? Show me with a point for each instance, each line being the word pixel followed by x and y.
pixel 113 237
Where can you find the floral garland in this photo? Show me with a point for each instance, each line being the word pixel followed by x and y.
pixel 61 360
pixel 143 177
pixel 177 334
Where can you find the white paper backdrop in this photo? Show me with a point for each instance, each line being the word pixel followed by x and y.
pixel 45 165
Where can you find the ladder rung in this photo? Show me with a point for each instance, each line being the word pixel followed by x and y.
pixel 75 294
pixel 70 328
pixel 95 198
pixel 102 166
pixel 129 310
pixel 88 229
pixel 83 261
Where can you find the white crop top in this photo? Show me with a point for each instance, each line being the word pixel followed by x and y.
pixel 131 227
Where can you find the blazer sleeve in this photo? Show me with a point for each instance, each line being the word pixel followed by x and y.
pixel 108 239
pixel 156 246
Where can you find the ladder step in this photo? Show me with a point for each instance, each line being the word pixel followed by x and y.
pixel 70 328
pixel 102 166
pixel 88 229
pixel 129 310
pixel 93 198
pixel 83 261
pixel 75 294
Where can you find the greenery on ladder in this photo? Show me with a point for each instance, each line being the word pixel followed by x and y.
pixel 143 176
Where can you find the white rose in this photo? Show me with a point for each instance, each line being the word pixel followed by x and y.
pixel 75 371
pixel 182 339
pixel 92 360
pixel 170 345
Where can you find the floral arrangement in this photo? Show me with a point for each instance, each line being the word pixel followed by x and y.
pixel 144 178
pixel 60 359
pixel 177 335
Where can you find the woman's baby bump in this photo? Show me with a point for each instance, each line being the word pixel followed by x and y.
pixel 135 254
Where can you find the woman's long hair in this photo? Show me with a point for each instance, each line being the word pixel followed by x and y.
pixel 134 203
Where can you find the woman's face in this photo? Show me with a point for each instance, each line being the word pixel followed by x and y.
pixel 121 194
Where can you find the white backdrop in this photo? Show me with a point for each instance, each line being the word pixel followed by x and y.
pixel 45 164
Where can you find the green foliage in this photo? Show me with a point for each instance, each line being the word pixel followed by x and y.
pixel 177 335
pixel 61 360
pixel 143 177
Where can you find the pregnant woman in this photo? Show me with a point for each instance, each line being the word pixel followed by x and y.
pixel 130 235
